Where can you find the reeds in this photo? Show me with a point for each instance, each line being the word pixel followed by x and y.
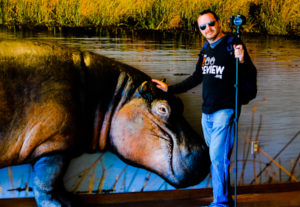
pixel 267 16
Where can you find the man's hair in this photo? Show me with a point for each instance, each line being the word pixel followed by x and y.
pixel 207 11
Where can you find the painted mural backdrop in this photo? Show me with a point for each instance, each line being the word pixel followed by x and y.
pixel 269 127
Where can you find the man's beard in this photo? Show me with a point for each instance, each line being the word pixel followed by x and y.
pixel 212 39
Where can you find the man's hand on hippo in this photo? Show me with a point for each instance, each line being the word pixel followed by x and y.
pixel 161 85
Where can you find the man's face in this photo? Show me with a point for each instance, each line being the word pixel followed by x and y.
pixel 205 23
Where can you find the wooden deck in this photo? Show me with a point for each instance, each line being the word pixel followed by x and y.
pixel 247 200
pixel 273 195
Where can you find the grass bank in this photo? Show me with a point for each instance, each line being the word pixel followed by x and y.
pixel 276 17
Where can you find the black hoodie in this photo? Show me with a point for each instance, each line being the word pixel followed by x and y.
pixel 216 68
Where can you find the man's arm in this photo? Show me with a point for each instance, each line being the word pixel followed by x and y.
pixel 247 75
pixel 188 83
pixel 246 64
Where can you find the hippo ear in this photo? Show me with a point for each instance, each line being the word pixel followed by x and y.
pixel 143 88
pixel 145 91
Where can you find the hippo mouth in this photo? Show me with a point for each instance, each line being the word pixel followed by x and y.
pixel 183 166
pixel 167 136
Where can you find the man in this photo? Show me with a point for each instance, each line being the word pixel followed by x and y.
pixel 216 69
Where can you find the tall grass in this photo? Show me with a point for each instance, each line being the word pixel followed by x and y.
pixel 267 16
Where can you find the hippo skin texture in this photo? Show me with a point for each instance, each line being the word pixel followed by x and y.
pixel 57 103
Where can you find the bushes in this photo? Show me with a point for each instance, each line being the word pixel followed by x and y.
pixel 267 16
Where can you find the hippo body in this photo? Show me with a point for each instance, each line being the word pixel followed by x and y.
pixel 57 103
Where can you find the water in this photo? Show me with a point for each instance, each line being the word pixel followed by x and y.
pixel 272 119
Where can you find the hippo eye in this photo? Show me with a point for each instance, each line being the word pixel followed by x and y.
pixel 161 108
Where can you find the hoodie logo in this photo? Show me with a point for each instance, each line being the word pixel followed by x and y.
pixel 209 67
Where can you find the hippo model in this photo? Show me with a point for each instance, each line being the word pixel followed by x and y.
pixel 57 103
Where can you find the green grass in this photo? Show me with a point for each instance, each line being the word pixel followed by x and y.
pixel 277 17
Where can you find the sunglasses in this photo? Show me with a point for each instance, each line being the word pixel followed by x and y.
pixel 211 24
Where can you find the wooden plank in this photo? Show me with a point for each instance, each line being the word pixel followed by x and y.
pixel 18 202
pixel 184 194
pixel 116 198
pixel 269 188
pixel 147 196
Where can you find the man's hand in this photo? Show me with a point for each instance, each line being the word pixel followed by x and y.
pixel 161 85
pixel 239 52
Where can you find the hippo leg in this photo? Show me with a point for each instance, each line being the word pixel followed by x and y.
pixel 47 181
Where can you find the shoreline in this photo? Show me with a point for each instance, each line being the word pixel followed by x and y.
pixel 96 30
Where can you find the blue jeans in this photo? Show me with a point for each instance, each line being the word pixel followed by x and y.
pixel 218 129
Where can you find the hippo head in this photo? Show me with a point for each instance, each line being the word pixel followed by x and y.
pixel 149 131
